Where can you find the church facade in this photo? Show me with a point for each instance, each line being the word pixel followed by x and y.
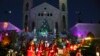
pixel 45 16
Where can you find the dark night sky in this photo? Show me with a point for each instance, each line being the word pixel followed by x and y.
pixel 90 10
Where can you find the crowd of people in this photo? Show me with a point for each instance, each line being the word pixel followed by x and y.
pixel 47 49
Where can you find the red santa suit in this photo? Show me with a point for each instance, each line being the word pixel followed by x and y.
pixel 46 49
pixel 41 49
pixel 55 48
pixel 52 51
pixel 31 50
pixel 68 45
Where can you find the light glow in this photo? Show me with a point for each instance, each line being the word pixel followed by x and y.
pixel 97 54
pixel 6 41
pixel 5 25
pixel 88 38
pixel 6 34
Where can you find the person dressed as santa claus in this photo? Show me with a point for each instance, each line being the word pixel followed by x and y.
pixel 31 49
pixel 46 48
pixel 66 48
pixel 53 50
pixel 41 48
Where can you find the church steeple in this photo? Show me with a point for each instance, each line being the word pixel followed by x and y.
pixel 33 14
pixel 64 13
pixel 27 5
pixel 63 5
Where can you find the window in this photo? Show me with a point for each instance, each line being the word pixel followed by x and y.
pixel 27 6
pixel 63 7
pixel 50 14
pixel 47 14
pixel 45 8
pixel 25 24
pixel 38 14
pixel 26 20
pixel 26 17
pixel 41 14
pixel 64 21
pixel 33 25
pixel 56 25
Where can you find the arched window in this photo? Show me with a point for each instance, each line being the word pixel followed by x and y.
pixel 33 25
pixel 56 26
pixel 27 6
pixel 26 21
pixel 42 14
pixel 45 8
pixel 47 14
pixel 38 14
pixel 64 21
pixel 26 17
pixel 63 7
pixel 50 14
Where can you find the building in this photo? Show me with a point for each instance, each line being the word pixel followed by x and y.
pixel 45 15
pixel 8 31
pixel 82 29
pixel 7 26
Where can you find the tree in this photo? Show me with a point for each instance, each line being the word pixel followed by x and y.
pixel 45 26
pixel 44 29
